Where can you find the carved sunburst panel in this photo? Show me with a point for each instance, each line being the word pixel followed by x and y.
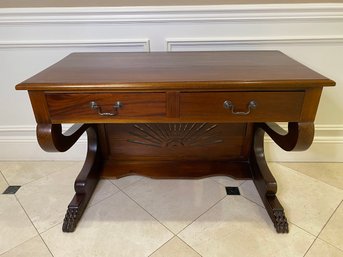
pixel 174 134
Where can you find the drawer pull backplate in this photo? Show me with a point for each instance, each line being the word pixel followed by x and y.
pixel 116 107
pixel 230 106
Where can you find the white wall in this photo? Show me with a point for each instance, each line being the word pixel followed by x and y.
pixel 33 38
pixel 108 3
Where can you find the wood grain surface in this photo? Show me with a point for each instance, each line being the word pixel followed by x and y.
pixel 175 70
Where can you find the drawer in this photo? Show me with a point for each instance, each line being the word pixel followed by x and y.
pixel 242 106
pixel 105 107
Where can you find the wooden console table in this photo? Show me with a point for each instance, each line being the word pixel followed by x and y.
pixel 176 115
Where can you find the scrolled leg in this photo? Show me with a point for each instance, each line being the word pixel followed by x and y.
pixel 298 137
pixel 85 182
pixel 266 184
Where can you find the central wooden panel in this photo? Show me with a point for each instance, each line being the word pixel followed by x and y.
pixel 176 141
pixel 176 150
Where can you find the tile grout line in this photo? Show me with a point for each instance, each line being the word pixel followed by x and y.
pixel 320 181
pixel 189 245
pixel 339 249
pixel 250 199
pixel 44 176
pixel 202 214
pixel 333 213
pixel 17 246
pixel 253 201
pixel 4 178
pixel 308 249
pixel 100 201
pixel 317 237
pixel 88 207
pixel 148 212
pixel 263 207
pixel 241 183
pixel 330 218
pixel 302 174
pixel 188 224
pixel 38 234
pixel 175 236
pixel 33 225
pixel 290 222
pixel 162 246
pixel 196 220
pixel 126 185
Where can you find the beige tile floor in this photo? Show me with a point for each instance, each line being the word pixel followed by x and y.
pixel 137 216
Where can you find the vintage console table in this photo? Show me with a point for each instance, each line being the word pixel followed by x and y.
pixel 176 115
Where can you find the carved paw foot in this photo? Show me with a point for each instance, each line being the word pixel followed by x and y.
pixel 70 220
pixel 281 223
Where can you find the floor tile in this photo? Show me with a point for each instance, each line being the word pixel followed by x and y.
pixel 116 226
pixel 249 191
pixel 323 249
pixel 333 231
pixel 126 181
pixel 3 184
pixel 20 173
pixel 15 226
pixel 175 247
pixel 238 227
pixel 46 200
pixel 34 247
pixel 308 203
pixel 330 173
pixel 176 203
pixel 227 181
pixel 103 190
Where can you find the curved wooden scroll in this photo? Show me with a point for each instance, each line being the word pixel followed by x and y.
pixel 266 184
pixel 51 138
pixel 298 138
pixel 85 182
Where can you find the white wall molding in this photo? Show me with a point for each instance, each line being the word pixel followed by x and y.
pixel 205 13
pixel 20 143
pixel 135 44
pixel 183 44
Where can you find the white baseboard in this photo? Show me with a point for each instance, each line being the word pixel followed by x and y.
pixel 19 143
pixel 318 152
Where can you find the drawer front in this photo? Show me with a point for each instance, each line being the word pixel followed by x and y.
pixel 105 107
pixel 242 106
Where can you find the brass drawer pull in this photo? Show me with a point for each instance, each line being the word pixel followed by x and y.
pixel 229 105
pixel 116 107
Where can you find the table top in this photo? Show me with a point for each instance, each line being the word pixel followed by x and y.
pixel 175 70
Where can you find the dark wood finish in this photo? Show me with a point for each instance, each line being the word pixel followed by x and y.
pixel 271 106
pixel 40 107
pixel 298 138
pixel 173 104
pixel 51 138
pixel 175 70
pixel 76 107
pixel 176 141
pixel 85 182
pixel 171 121
pixel 266 183
pixel 177 169
pixel 310 104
